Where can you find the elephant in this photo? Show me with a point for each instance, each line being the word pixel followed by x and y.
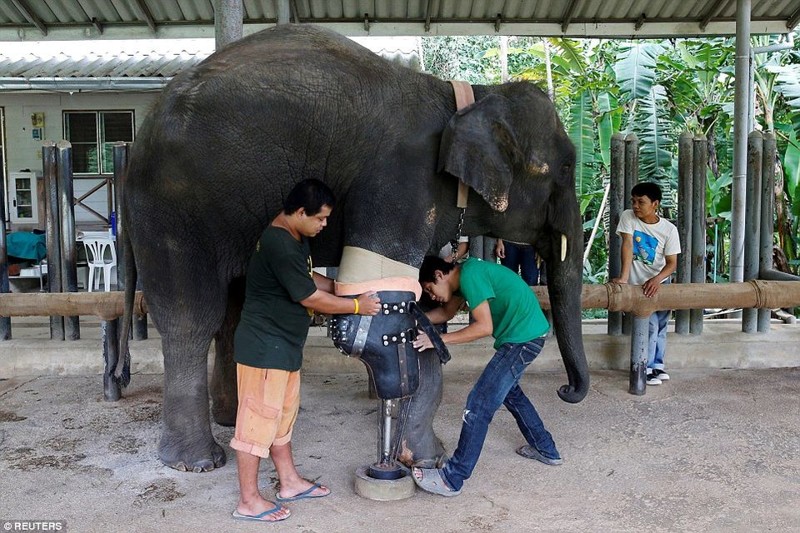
pixel 229 137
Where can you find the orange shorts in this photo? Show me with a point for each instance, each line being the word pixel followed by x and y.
pixel 268 403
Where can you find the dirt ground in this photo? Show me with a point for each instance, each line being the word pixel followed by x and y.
pixel 711 450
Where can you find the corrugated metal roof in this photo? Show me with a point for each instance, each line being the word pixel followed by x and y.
pixel 116 19
pixel 115 66
pixel 99 65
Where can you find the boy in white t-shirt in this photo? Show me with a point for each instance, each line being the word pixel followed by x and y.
pixel 650 248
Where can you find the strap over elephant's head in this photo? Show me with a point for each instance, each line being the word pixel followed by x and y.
pixel 476 147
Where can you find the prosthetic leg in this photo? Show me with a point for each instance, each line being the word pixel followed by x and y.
pixel 384 345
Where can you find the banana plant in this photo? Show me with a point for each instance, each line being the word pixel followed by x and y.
pixel 646 103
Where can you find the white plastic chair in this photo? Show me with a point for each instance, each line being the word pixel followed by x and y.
pixel 101 258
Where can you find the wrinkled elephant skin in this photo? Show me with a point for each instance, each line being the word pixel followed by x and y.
pixel 228 138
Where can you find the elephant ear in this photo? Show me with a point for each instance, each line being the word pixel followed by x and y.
pixel 478 147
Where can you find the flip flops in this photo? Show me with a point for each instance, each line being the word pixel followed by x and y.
pixel 262 517
pixel 305 495
pixel 431 480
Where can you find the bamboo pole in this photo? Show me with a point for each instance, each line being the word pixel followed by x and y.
pixel 759 294
pixel 106 305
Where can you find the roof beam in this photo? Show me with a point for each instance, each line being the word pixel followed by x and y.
pixel 570 11
pixel 97 25
pixel 428 16
pixel 712 12
pixel 792 22
pixel 30 16
pixel 146 15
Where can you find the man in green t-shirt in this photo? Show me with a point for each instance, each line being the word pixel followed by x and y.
pixel 502 306
pixel 282 289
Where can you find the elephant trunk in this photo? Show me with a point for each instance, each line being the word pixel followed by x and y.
pixel 564 284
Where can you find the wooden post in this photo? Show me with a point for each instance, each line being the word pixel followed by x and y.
pixel 684 275
pixel 616 201
pixel 53 231
pixel 752 220
pixel 5 321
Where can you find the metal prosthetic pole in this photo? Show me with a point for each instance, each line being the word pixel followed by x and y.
pixel 386 467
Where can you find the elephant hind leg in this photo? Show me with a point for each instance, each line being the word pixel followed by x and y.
pixel 187 324
pixel 223 379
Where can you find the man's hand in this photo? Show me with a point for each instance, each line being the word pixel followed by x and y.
pixel 650 287
pixel 369 304
pixel 500 249
pixel 619 281
pixel 422 342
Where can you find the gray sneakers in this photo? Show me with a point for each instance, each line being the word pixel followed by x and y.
pixel 532 453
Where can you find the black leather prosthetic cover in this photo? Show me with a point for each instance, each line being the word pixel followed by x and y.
pixel 383 343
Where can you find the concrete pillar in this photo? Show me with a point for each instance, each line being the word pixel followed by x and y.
pixel 741 105
pixel 228 22
pixel 284 11
pixel 639 347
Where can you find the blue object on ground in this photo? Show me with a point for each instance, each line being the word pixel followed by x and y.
pixel 26 245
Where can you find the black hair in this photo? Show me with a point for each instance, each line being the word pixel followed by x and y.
pixel 432 263
pixel 310 194
pixel 649 189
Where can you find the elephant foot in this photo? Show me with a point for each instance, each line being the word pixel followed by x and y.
pixel 224 413
pixel 191 457
pixel 408 458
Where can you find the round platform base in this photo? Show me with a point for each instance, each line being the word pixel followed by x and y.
pixel 383 490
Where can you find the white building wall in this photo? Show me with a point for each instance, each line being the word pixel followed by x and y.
pixel 24 152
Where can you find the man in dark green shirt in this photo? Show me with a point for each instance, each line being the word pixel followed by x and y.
pixel 282 290
pixel 502 306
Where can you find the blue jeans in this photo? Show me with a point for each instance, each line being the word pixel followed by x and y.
pixel 522 259
pixel 657 339
pixel 498 385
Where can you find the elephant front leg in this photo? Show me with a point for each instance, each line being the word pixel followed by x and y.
pixel 186 440
pixel 421 447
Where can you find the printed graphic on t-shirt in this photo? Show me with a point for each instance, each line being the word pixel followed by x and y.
pixel 644 247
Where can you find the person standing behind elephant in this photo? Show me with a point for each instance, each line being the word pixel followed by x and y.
pixel 650 248
pixel 505 308
pixel 281 291
pixel 521 258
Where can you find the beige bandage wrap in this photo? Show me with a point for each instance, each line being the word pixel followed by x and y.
pixel 362 270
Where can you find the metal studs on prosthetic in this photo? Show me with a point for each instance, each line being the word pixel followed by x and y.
pixel 383 343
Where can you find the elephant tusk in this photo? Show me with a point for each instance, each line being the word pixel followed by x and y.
pixel 563 247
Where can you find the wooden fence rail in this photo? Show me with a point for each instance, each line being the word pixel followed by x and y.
pixel 756 294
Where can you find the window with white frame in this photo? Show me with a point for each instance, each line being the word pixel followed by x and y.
pixel 93 134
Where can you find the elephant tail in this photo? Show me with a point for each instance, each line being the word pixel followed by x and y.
pixel 122 370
